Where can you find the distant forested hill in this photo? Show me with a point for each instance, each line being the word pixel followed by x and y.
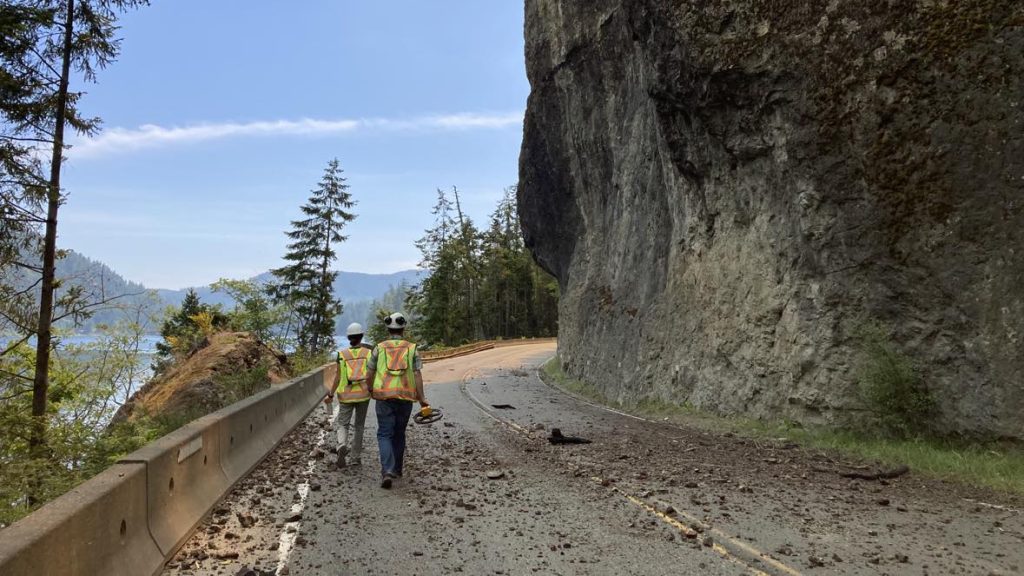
pixel 110 296
pixel 351 287
pixel 356 290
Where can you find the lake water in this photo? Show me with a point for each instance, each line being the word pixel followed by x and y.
pixel 147 344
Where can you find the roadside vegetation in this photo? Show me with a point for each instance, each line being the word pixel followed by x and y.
pixel 481 284
pixel 984 463
pixel 59 401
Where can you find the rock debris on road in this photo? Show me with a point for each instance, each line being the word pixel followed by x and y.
pixel 482 497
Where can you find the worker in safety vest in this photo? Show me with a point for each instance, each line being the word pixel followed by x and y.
pixel 394 368
pixel 352 386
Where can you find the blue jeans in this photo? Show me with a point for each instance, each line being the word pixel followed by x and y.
pixel 392 418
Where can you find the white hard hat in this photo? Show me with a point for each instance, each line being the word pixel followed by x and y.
pixel 395 321
pixel 354 329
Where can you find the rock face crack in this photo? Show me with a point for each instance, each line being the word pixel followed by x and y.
pixel 729 192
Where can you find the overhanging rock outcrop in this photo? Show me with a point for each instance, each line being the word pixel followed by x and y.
pixel 728 192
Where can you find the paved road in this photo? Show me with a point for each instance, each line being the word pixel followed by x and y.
pixel 642 498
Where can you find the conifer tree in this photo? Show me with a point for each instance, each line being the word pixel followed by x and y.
pixel 441 298
pixel 306 283
pixel 481 285
pixel 45 43
pixel 182 331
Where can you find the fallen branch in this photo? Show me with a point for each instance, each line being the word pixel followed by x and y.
pixel 884 474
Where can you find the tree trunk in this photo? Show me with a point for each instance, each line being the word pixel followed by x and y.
pixel 41 382
pixel 326 290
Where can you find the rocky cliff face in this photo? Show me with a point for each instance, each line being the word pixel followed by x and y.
pixel 728 191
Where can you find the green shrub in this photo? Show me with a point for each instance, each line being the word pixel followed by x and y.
pixel 240 385
pixel 892 388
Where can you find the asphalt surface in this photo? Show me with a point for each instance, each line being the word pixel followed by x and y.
pixel 642 498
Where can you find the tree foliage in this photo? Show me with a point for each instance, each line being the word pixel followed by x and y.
pixel 254 310
pixel 892 388
pixel 44 44
pixel 88 383
pixel 305 285
pixel 481 284
pixel 185 328
pixel 392 301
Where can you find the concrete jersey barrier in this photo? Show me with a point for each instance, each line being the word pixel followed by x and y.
pixel 129 519
pixel 99 527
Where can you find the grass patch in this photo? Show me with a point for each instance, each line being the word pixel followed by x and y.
pixel 986 464
pixel 240 385
pixel 996 465
pixel 300 362
pixel 892 387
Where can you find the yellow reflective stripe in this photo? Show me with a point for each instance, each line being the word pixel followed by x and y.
pixel 388 385
pixel 355 363
pixel 354 393
pixel 394 352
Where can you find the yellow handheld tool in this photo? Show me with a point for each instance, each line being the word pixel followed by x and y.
pixel 427 415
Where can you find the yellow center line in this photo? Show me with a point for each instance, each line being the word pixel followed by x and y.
pixel 675 523
pixel 686 530
pixel 718 534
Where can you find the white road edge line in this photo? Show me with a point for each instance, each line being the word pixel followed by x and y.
pixel 287 539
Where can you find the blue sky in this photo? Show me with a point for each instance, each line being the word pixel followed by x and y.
pixel 219 118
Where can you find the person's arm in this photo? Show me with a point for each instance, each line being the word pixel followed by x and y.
pixel 417 365
pixel 419 390
pixel 337 382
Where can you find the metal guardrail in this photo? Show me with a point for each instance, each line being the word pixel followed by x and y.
pixel 432 355
pixel 129 519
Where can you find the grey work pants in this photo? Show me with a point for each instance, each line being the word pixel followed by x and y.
pixel 351 435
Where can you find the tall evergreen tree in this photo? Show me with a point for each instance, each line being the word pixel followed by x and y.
pixel 507 274
pixel 306 283
pixel 443 298
pixel 44 43
pixel 481 285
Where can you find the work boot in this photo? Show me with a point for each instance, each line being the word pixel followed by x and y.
pixel 342 452
pixel 386 480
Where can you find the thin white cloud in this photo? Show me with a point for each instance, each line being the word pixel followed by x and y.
pixel 115 140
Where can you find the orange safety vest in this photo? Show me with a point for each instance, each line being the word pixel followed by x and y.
pixel 396 374
pixel 352 385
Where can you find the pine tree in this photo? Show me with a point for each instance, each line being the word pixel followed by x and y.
pixel 181 330
pixel 306 283
pixel 481 285
pixel 44 42
pixel 442 299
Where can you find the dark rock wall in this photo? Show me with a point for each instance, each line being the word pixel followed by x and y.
pixel 729 191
